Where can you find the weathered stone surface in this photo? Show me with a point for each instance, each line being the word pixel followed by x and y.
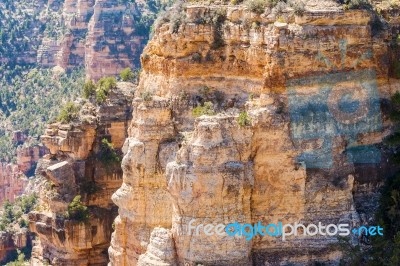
pixel 160 251
pixel 12 182
pixel 102 35
pixel 75 167
pixel 143 182
pixel 9 241
pixel 219 171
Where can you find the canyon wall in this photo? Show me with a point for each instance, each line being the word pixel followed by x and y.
pixel 82 161
pixel 14 176
pixel 103 36
pixel 12 182
pixel 284 144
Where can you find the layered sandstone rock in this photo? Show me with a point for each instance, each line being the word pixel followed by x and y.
pixel 151 133
pixel 75 167
pixel 274 84
pixel 28 156
pixel 10 241
pixel 160 251
pixel 12 182
pixel 104 36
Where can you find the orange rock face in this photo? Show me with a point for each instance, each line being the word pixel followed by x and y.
pixel 77 165
pixel 103 36
pixel 255 160
pixel 12 182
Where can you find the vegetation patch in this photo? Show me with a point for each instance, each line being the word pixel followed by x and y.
pixel 244 119
pixel 206 109
pixel 32 99
pixel 107 154
pixel 77 210
pixel 356 4
pixel 256 6
pixel 128 75
pixel 13 212
pixel 218 20
pixel 68 113
pixel 146 96
pixel 396 69
pixel 101 90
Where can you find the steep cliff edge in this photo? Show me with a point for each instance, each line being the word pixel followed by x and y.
pixel 84 161
pixel 278 142
pixel 104 36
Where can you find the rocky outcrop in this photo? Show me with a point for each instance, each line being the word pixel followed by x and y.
pixel 160 251
pixel 27 157
pixel 104 36
pixel 10 241
pixel 151 133
pixel 284 147
pixel 115 38
pixel 78 165
pixel 14 176
pixel 12 182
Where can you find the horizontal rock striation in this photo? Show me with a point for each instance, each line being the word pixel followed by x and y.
pixel 273 83
pixel 103 36
pixel 76 166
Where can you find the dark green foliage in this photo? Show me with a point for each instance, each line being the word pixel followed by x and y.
pixel 395 114
pixel 244 119
pixel 145 20
pixel 196 57
pixel 30 98
pixel 17 23
pixel 89 89
pixel 7 149
pixel 256 6
pixel 69 113
pixel 104 86
pixel 127 74
pixel 385 250
pixel 206 109
pixel 352 255
pixel 357 4
pixel 107 154
pixel 396 68
pixel 27 202
pixel 20 261
pixel 23 223
pixel 78 211
pixel 218 20
pixel 8 215
pixel 12 212
pixel 146 96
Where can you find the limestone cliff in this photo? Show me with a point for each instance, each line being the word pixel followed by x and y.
pixel 279 147
pixel 78 165
pixel 14 177
pixel 12 182
pixel 104 36
pixel 10 241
